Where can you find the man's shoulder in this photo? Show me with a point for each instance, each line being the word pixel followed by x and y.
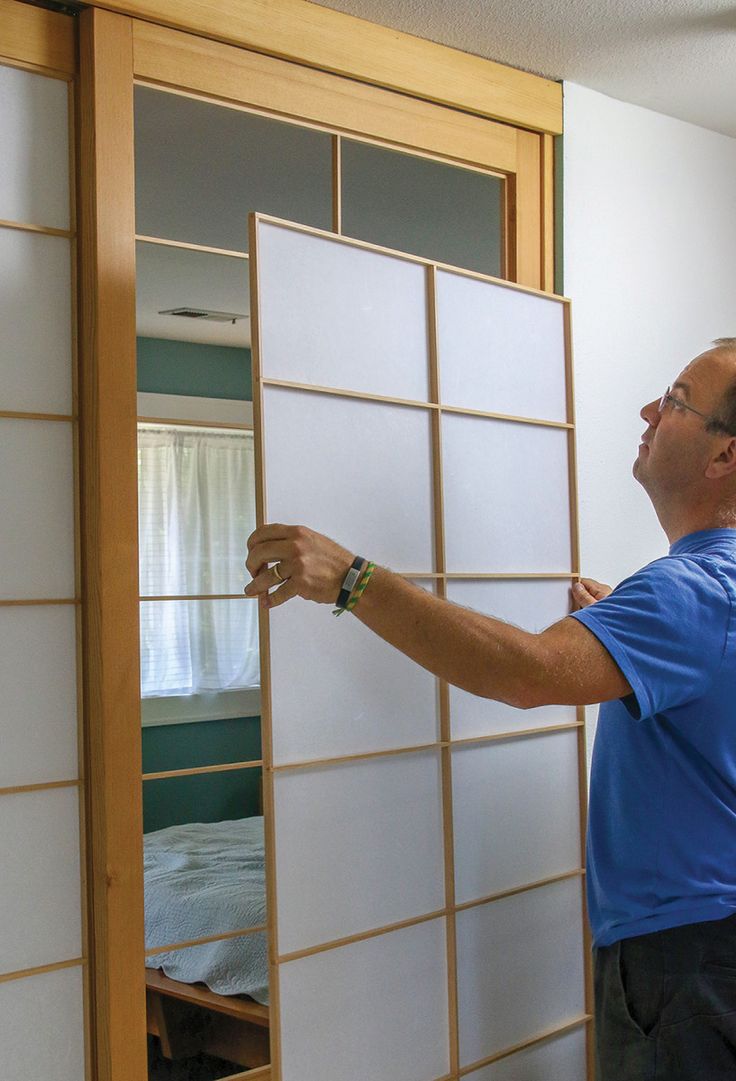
pixel 711 572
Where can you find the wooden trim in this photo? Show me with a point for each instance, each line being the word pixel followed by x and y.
pixel 364 756
pixel 443 690
pixel 362 936
pixel 22 974
pixel 164 243
pixel 16 414
pixel 501 575
pixel 224 937
pixel 38 602
pixel 582 743
pixel 41 786
pixel 339 392
pixel 195 771
pixel 548 213
pixel 39 39
pixel 180 422
pixel 45 230
pixel 292 91
pixel 199 597
pixel 528 210
pixel 523 733
pixel 264 645
pixel 109 563
pixel 542 1037
pixel 260 1073
pixel 345 45
pixel 525 887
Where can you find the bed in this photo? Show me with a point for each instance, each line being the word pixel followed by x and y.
pixel 202 879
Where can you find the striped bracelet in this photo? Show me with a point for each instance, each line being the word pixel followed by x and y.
pixel 360 588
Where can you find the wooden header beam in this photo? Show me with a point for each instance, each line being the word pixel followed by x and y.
pixel 345 45
pixel 37 38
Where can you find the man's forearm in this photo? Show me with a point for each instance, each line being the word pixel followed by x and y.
pixel 481 655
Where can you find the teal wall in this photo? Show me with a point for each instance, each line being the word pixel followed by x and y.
pixel 206 797
pixel 209 371
pixel 204 371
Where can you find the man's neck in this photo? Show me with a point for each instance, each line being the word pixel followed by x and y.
pixel 677 526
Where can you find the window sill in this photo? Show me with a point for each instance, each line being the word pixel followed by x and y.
pixel 192 708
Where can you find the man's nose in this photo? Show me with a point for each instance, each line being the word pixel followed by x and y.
pixel 650 413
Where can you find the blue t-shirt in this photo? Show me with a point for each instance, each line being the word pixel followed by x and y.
pixel 662 818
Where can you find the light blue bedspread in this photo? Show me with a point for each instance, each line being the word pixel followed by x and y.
pixel 206 878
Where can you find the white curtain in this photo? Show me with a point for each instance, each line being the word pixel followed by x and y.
pixel 196 504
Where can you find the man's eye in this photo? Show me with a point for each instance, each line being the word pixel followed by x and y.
pixel 676 403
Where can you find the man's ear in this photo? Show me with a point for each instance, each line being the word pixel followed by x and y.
pixel 723 464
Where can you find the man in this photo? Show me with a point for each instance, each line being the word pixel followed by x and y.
pixel 659 653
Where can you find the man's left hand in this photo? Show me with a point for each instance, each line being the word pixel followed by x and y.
pixel 312 566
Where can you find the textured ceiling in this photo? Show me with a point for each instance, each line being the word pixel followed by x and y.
pixel 677 57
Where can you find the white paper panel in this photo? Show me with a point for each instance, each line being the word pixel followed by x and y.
pixel 533 605
pixel 40 891
pixel 338 706
pixel 361 472
pixel 35 314
pixel 36 481
pixel 559 1059
pixel 38 720
pixel 42 1027
pixel 360 846
pixel 333 315
pixel 516 812
pixel 373 1011
pixel 500 349
pixel 34 149
pixel 506 495
pixel 520 968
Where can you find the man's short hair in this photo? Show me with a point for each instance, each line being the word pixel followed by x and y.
pixel 725 418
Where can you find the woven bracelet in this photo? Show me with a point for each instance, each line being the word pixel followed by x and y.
pixel 360 589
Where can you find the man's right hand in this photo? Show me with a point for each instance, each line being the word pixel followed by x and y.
pixel 587 591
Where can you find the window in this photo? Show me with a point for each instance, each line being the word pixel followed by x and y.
pixel 196 510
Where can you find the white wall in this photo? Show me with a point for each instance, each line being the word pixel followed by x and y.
pixel 650 264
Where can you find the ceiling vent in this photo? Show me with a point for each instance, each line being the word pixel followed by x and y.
pixel 206 314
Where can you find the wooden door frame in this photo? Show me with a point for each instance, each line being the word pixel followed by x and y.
pixel 332 41
pixel 116 50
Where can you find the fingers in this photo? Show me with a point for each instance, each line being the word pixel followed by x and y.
pixel 280 596
pixel 266 579
pixel 581 596
pixel 597 590
pixel 272 532
pixel 587 591
pixel 264 552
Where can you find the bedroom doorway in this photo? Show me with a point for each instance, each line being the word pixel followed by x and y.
pixel 168 388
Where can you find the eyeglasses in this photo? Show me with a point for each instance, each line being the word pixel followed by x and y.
pixel 673 402
pixel 677 403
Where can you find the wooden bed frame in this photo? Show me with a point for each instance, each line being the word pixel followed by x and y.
pixel 189 1019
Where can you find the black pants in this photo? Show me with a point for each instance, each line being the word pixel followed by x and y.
pixel 665 1005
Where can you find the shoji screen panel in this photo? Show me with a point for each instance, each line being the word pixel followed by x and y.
pixel 425 846
pixel 42 951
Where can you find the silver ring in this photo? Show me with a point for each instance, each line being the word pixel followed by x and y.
pixel 277 572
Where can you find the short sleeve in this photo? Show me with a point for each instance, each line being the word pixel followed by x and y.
pixel 666 628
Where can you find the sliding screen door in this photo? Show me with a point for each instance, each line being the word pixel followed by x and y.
pixel 42 951
pixel 425 846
